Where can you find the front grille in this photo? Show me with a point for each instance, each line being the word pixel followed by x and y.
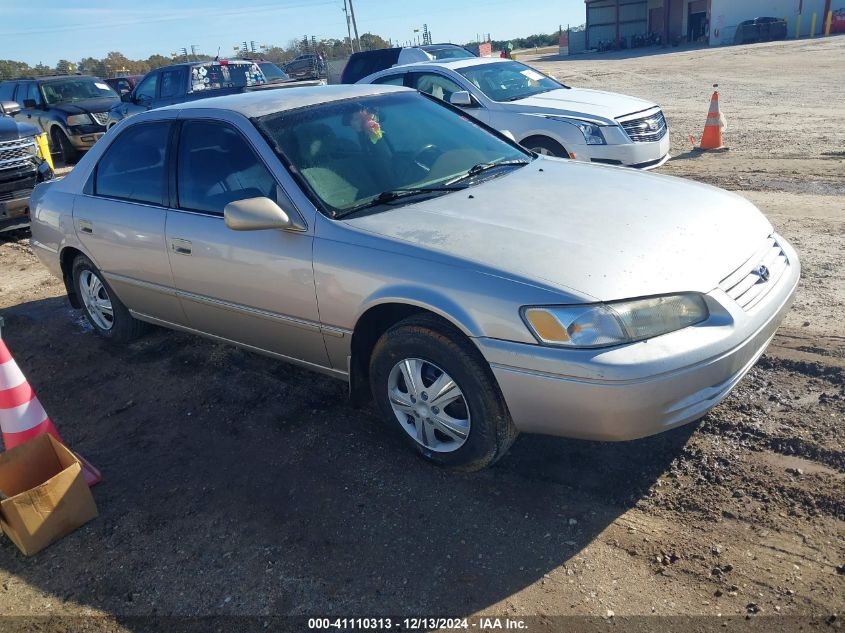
pixel 100 117
pixel 15 195
pixel 646 129
pixel 17 153
pixel 753 280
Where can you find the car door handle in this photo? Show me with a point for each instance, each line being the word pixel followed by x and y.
pixel 85 226
pixel 180 246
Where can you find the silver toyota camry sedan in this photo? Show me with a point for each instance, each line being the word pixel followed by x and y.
pixel 471 288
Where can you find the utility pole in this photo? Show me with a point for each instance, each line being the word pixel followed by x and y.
pixel 348 26
pixel 194 51
pixel 354 24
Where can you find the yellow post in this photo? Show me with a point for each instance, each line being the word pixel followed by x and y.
pixel 798 27
pixel 44 149
pixel 827 23
pixel 813 26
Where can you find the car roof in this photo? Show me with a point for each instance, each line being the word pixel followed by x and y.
pixel 452 64
pixel 262 102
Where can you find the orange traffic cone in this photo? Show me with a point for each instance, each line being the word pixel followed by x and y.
pixel 712 137
pixel 21 415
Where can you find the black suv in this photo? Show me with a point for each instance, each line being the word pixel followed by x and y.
pixel 21 167
pixel 306 66
pixel 760 30
pixel 365 63
pixel 71 109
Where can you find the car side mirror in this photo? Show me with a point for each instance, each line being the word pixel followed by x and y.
pixel 126 97
pixel 257 214
pixel 10 107
pixel 462 98
pixel 29 104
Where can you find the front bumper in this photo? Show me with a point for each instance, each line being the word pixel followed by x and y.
pixel 643 388
pixel 84 139
pixel 628 154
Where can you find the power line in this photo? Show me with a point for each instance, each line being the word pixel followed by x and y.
pixel 275 8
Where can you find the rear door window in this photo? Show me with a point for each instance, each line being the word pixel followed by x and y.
pixel 133 168
pixel 390 80
pixel 171 84
pixel 217 166
pixel 436 85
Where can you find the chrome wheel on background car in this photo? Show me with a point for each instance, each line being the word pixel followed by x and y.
pixel 429 405
pixel 95 298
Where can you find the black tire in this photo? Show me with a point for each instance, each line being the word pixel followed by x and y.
pixel 124 327
pixel 60 144
pixel 428 338
pixel 537 143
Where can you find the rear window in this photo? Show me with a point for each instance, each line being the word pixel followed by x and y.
pixel 449 52
pixel 216 76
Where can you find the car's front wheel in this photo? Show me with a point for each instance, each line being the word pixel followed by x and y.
pixel 61 145
pixel 104 311
pixel 434 386
pixel 545 146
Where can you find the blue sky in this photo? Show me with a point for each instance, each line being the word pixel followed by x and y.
pixel 49 30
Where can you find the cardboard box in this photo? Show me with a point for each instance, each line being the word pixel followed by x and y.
pixel 47 494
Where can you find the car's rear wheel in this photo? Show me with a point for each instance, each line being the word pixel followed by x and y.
pixel 434 386
pixel 61 145
pixel 104 311
pixel 545 146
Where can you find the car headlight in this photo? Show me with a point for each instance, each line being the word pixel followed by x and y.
pixel 79 119
pixel 591 131
pixel 615 323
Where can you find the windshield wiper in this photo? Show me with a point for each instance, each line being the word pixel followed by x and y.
pixel 386 197
pixel 482 167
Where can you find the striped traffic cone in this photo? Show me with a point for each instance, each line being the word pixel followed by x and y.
pixel 21 415
pixel 712 137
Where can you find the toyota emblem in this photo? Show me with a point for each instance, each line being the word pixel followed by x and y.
pixel 762 272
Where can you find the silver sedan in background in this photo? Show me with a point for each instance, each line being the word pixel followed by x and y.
pixel 383 237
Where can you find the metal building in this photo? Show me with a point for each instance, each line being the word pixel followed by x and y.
pixel 696 21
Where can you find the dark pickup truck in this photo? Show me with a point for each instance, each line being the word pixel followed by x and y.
pixel 197 80
pixel 21 167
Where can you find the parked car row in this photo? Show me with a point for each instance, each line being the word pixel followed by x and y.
pixel 76 110
pixel 388 238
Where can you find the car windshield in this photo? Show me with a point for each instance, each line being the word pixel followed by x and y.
pixel 273 72
pixel 218 75
pixel 350 153
pixel 509 81
pixel 75 89
pixel 450 52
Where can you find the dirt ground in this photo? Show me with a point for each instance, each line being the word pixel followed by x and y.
pixel 236 485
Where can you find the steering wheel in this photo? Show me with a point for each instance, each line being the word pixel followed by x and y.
pixel 430 149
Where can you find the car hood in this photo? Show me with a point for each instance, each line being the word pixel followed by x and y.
pixel 11 130
pixel 591 104
pixel 603 232
pixel 100 104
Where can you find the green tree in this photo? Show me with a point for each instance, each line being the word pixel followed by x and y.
pixel 371 41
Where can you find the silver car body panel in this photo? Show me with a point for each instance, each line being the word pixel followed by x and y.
pixel 552 232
